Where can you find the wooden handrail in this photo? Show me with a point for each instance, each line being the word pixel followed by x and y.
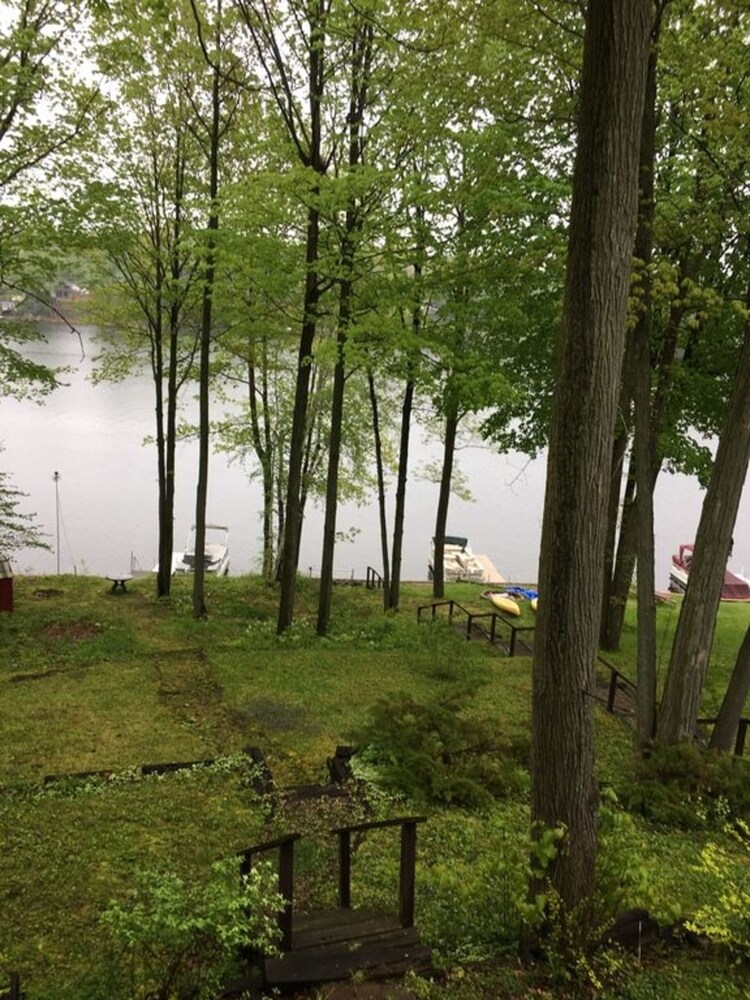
pixel 472 616
pixel 741 737
pixel 379 824
pixel 13 991
pixel 615 678
pixel 374 580
pixel 496 617
pixel 440 604
pixel 285 848
pixel 407 865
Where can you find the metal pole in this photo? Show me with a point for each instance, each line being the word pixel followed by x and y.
pixel 56 478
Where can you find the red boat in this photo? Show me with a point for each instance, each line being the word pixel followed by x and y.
pixel 734 588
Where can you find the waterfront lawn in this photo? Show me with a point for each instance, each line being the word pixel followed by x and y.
pixel 96 681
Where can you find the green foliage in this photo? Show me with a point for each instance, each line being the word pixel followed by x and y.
pixel 472 883
pixel 175 937
pixel 625 870
pixel 435 752
pixel 688 787
pixel 18 530
pixel 726 920
pixel 571 940
pixel 20 375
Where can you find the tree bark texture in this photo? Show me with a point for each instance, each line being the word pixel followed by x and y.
pixel 204 430
pixel 644 439
pixel 619 449
pixel 334 454
pixel 441 517
pixel 695 628
pixel 602 227
pixel 382 513
pixel 398 516
pixel 361 57
pixel 733 704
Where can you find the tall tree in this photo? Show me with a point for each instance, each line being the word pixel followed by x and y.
pixel 717 351
pixel 644 443
pixel 290 44
pixel 691 647
pixel 602 227
pixel 360 70
pixel 143 221
pixel 211 126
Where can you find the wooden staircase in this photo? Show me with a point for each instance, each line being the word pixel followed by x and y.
pixel 335 944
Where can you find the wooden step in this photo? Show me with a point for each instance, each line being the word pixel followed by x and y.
pixel 314 930
pixel 335 944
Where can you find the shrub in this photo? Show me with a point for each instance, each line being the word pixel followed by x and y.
pixel 727 920
pixel 434 752
pixel 175 938
pixel 688 787
pixel 472 881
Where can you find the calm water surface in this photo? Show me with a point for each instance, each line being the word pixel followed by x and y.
pixel 94 437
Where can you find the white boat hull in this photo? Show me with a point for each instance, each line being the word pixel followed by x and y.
pixel 215 553
pixel 461 565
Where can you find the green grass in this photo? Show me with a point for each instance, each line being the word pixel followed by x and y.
pixel 732 624
pixel 95 681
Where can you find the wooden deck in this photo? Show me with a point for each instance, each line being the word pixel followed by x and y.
pixel 335 944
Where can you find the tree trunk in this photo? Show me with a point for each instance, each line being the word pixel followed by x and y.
pixel 201 494
pixel 733 704
pixel 398 517
pixel 644 439
pixel 307 138
pixel 360 77
pixel 334 453
pixel 166 537
pixel 260 429
pixel 602 226
pixel 292 516
pixel 441 519
pixel 695 628
pixel 381 491
pixel 624 565
pixel 619 449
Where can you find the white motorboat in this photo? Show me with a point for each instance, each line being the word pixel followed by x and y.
pixel 215 552
pixel 460 564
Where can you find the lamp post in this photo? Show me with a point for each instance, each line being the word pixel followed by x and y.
pixel 56 480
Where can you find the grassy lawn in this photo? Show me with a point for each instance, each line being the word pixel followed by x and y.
pixel 96 681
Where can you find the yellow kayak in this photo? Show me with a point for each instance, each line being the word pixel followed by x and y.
pixel 502 602
pixel 534 603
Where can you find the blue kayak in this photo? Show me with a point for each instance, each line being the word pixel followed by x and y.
pixel 522 592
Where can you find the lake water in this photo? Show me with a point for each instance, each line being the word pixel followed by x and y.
pixel 93 436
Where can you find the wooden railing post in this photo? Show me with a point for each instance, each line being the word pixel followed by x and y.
pixel 407 866
pixel 469 619
pixel 739 744
pixel 345 869
pixel 612 690
pixel 285 848
pixel 512 650
pixel 407 872
pixel 286 888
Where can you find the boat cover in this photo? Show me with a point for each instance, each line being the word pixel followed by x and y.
pixel 733 588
